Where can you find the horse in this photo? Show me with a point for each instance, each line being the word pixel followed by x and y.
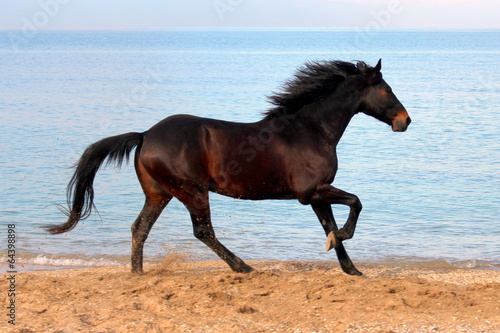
pixel 289 154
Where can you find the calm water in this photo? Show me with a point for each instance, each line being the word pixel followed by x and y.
pixel 430 195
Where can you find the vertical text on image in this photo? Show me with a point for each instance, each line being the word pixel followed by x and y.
pixel 11 273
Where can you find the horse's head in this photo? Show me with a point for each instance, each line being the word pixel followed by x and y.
pixel 380 102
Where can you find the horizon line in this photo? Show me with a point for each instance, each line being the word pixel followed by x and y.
pixel 103 28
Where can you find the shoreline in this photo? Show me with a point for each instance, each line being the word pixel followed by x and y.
pixel 280 296
pixel 333 264
pixel 49 263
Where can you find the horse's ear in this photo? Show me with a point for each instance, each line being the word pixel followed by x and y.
pixel 378 67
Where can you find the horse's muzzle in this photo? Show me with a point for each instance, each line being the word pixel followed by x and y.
pixel 401 121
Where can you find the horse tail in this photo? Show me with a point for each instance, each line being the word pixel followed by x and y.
pixel 80 191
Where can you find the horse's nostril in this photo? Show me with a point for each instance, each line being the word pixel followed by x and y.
pixel 408 121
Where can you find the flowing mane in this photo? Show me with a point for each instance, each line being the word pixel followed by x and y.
pixel 311 82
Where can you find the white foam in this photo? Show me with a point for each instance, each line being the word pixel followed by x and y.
pixel 469 264
pixel 42 260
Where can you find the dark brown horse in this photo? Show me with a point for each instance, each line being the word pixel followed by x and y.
pixel 289 154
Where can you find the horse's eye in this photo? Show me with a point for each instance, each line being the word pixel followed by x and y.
pixel 388 90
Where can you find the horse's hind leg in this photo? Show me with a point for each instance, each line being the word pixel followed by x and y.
pixel 142 226
pixel 198 206
pixel 156 200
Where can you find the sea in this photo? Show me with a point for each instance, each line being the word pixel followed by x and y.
pixel 431 195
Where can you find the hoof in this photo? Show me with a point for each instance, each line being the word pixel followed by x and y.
pixel 345 262
pixel 243 269
pixel 331 241
pixel 353 271
pixel 137 271
pixel 350 269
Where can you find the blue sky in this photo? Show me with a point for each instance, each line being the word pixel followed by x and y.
pixel 391 14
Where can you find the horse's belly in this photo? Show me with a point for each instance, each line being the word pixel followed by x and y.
pixel 252 189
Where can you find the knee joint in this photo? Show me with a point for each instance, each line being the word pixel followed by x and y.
pixel 357 204
pixel 203 234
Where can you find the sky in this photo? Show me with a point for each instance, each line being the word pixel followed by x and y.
pixel 167 14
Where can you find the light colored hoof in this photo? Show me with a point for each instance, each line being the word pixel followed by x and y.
pixel 331 241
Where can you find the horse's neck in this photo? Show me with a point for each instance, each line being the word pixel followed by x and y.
pixel 328 118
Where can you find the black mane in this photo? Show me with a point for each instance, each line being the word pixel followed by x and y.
pixel 311 82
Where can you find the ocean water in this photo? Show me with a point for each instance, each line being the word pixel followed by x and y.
pixel 430 195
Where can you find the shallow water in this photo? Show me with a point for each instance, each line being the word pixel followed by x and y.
pixel 429 195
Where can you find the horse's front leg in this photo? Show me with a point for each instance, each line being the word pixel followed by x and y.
pixel 327 194
pixel 321 204
pixel 325 216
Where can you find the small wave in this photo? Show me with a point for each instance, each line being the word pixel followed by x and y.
pixel 419 262
pixel 470 264
pixel 42 260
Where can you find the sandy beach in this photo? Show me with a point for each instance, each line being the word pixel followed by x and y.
pixel 278 296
